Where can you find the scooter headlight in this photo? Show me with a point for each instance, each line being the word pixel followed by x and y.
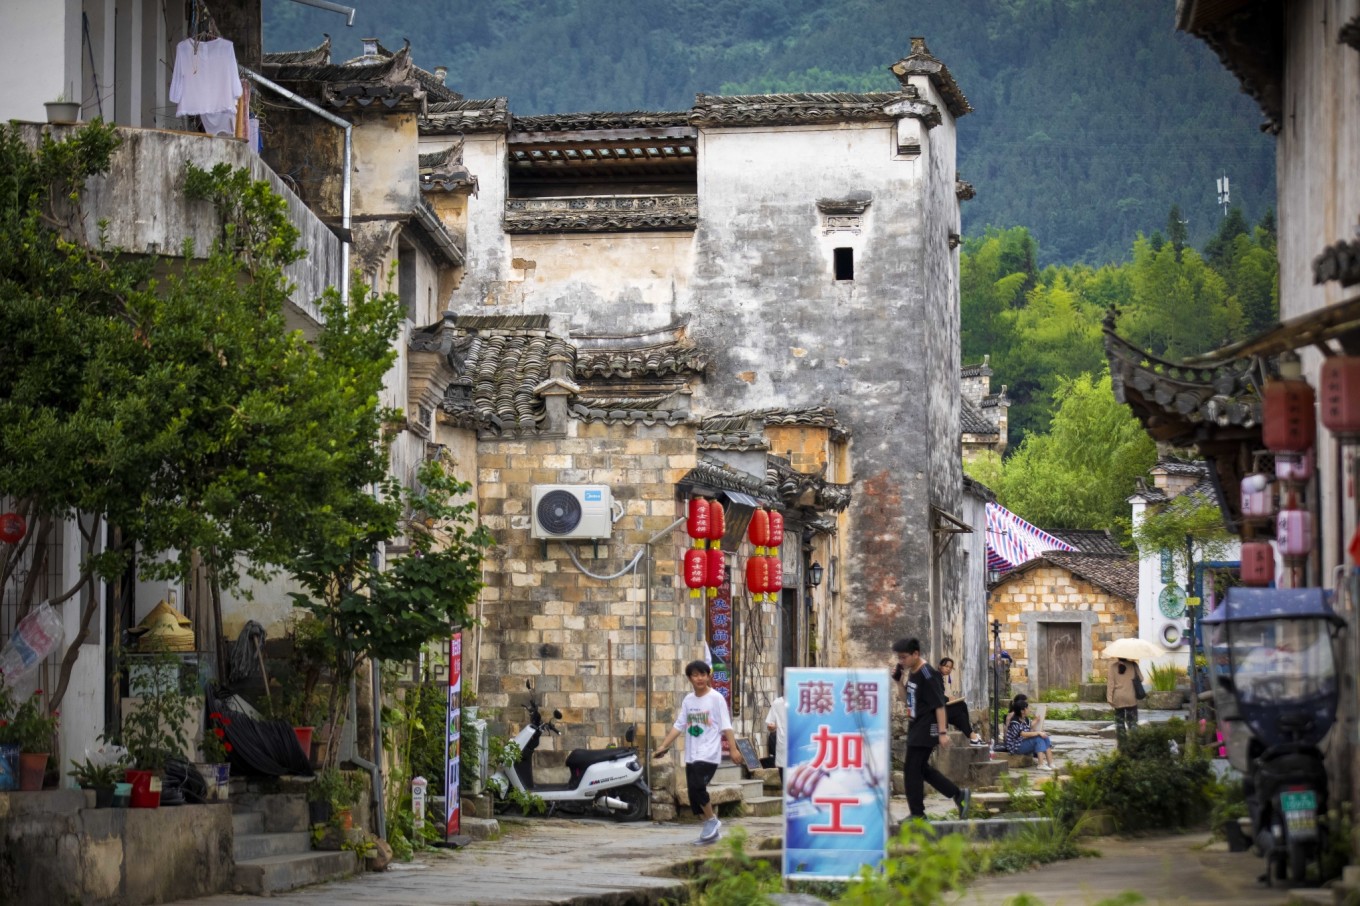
pixel 634 766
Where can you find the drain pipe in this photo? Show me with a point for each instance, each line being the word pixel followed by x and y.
pixel 374 773
pixel 647 646
pixel 345 185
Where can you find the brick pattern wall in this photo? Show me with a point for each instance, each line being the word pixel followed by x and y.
pixel 1051 588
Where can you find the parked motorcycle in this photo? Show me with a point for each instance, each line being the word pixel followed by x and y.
pixel 1276 690
pixel 606 781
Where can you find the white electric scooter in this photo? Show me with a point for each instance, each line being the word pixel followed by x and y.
pixel 601 780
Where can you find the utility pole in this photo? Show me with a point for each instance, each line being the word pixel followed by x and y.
pixel 996 676
pixel 1192 605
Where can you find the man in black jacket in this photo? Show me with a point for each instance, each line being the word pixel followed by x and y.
pixel 926 728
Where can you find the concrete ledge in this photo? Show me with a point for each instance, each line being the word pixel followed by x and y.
pixel 991 829
pixel 479 828
pixel 279 873
pixel 718 794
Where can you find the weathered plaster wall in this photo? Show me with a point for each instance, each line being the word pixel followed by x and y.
pixel 757 280
pixel 385 163
pixel 1050 592
pixel 972 651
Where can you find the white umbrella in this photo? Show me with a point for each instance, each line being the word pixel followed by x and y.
pixel 1132 649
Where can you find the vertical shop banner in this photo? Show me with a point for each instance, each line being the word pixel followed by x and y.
pixel 722 638
pixel 837 782
pixel 454 738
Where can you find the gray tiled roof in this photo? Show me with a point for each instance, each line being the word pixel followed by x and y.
pixel 791 109
pixel 972 421
pixel 1173 466
pixel 582 122
pixel 1116 575
pixel 1090 541
pixel 456 117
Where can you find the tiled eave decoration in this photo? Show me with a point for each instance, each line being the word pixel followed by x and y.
pixel 466 116
pixel 315 56
pixel 391 81
pixel 651 410
pixel 637 121
pixel 921 62
pixel 1183 404
pixel 602 214
pixel 681 357
pixel 1249 40
pixel 792 109
pixel 443 171
pixel 1340 262
pixel 716 476
pixel 964 191
pixel 810 491
pixel 973 423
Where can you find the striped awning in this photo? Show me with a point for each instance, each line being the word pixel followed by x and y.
pixel 1012 541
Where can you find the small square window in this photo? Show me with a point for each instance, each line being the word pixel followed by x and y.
pixel 845 264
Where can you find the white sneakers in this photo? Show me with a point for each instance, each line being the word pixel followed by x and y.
pixel 711 832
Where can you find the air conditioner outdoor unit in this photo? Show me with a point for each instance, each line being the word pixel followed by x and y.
pixel 563 512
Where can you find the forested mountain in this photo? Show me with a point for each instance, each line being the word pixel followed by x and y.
pixel 1092 118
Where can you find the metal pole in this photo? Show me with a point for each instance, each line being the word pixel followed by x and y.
pixel 1194 669
pixel 996 676
pixel 647 646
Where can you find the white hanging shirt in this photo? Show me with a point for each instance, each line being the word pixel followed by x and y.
pixel 205 79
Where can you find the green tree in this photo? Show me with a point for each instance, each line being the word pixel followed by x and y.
pixel 1188 519
pixel 1081 472
pixel 1179 307
pixel 1176 229
pixel 178 410
pixel 371 611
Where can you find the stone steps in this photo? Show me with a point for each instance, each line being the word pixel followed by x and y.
pixel 272 846
pixel 763 806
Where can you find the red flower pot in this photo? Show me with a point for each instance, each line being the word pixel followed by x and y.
pixel 32 766
pixel 304 737
pixel 146 788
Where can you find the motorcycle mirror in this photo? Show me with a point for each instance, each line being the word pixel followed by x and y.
pixel 557 713
pixel 630 734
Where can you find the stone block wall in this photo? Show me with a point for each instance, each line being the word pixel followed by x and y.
pixel 1052 589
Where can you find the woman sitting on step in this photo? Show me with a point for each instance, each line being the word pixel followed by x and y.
pixel 1023 739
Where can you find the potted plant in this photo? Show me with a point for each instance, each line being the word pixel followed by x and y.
pixel 154 731
pixel 216 766
pixel 63 109
pixel 9 742
pixel 100 774
pixel 32 728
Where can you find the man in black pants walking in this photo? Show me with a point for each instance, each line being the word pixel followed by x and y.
pixel 926 728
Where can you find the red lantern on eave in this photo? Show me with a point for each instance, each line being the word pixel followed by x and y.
pixel 696 526
pixel 776 529
pixel 717 522
pixel 775 582
pixel 757 576
pixel 713 574
pixel 696 568
pixel 758 532
pixel 1288 420
pixel 12 528
pixel 1340 404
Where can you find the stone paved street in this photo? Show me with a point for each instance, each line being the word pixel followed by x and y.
pixel 559 861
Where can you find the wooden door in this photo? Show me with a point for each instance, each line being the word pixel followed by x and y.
pixel 1061 656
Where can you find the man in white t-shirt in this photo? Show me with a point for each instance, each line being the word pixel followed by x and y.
pixel 777 722
pixel 704 719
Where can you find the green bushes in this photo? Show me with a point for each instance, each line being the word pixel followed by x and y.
pixel 1164 678
pixel 1149 784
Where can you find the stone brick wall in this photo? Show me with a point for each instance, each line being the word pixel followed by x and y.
pixel 1051 589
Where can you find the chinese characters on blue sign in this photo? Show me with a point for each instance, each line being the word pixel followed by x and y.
pixel 836 785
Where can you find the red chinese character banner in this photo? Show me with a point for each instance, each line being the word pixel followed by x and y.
pixel 836 785
pixel 719 619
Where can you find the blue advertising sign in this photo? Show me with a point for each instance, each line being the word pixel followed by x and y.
pixel 836 785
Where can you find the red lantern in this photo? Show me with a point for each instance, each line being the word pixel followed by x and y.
pixel 696 566
pixel 776 529
pixel 12 528
pixel 1258 563
pixel 713 575
pixel 1340 409
pixel 775 582
pixel 1288 422
pixel 757 576
pixel 717 524
pixel 759 530
pixel 697 524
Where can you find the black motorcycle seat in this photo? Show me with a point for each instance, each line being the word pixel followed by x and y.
pixel 580 759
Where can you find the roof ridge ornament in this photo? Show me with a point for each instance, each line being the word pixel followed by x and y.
pixel 921 62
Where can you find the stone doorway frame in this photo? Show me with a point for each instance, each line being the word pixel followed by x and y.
pixel 1033 633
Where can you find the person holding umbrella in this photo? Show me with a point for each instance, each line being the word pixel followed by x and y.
pixel 1124 682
